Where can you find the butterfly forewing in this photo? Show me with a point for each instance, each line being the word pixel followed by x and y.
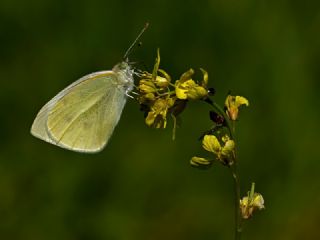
pixel 82 117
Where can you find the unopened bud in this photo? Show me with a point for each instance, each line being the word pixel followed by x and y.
pixel 199 162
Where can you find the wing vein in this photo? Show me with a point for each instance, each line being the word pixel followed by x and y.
pixel 76 118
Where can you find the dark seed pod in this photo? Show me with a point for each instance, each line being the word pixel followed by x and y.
pixel 216 118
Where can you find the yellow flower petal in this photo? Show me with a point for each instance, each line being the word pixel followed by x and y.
pixel 158 113
pixel 205 77
pixel 241 101
pixel 228 148
pixel 187 75
pixel 196 93
pixel 258 201
pixel 181 90
pixel 150 118
pixel 211 144
pixel 189 89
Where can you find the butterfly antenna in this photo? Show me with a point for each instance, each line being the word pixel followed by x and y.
pixel 135 41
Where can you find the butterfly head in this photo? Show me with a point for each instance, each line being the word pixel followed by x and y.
pixel 125 75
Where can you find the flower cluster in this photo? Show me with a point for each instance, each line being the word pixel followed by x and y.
pixel 158 96
pixel 216 141
pixel 223 152
pixel 187 88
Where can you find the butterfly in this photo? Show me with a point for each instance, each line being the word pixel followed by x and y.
pixel 82 117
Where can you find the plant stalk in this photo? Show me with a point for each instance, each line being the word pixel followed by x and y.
pixel 237 214
pixel 235 175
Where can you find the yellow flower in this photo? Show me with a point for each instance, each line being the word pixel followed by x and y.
pixel 254 201
pixel 223 153
pixel 248 206
pixel 186 88
pixel 232 105
pixel 158 112
pixel 158 96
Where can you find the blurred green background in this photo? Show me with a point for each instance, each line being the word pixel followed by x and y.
pixel 141 186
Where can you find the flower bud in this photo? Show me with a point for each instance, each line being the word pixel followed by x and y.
pixel 146 86
pixel 199 162
pixel 162 82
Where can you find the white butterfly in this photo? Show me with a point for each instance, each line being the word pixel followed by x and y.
pixel 83 116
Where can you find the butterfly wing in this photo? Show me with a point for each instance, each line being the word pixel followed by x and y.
pixel 83 116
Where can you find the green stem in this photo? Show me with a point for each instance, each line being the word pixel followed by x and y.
pixel 238 219
pixel 236 185
pixel 229 125
pixel 166 93
pixel 235 174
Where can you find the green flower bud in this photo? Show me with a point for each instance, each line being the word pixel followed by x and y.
pixel 162 82
pixel 146 86
pixel 149 96
pixel 199 162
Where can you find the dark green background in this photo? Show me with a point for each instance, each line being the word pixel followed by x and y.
pixel 141 186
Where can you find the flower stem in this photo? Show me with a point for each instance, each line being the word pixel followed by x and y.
pixel 238 220
pixel 229 125
pixel 235 174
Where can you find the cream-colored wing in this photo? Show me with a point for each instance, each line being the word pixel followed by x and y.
pixel 83 116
